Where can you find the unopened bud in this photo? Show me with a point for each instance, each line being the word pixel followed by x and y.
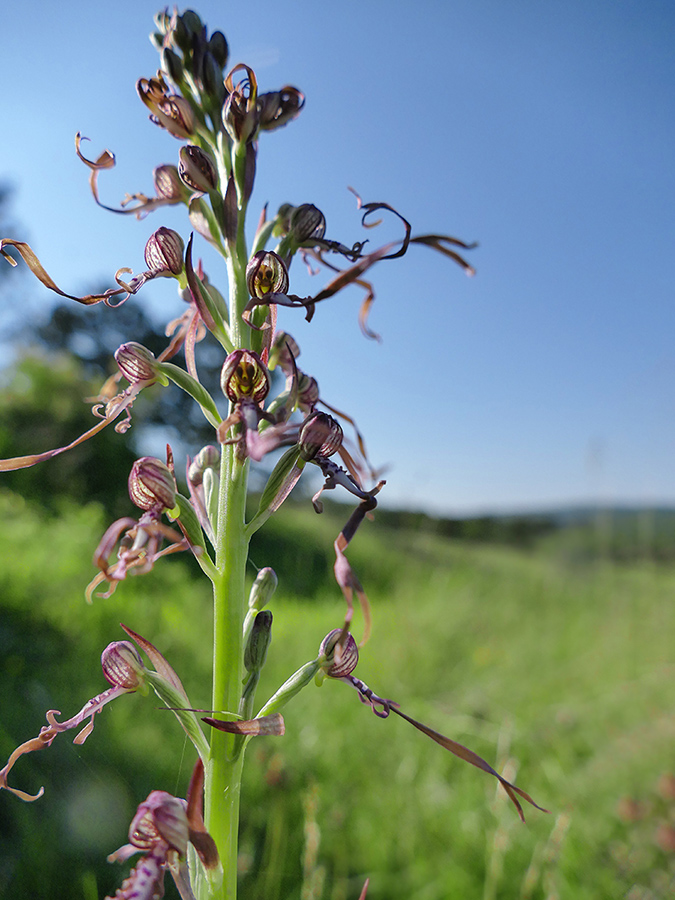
pixel 283 351
pixel 136 362
pixel 168 185
pixel 164 252
pixel 122 665
pixel 266 273
pixel 308 391
pixel 172 65
pixel 212 81
pixel 218 47
pixel 320 435
pixel 258 642
pixel 340 661
pixel 263 588
pixel 196 169
pixel 151 484
pixel 244 376
pixel 207 458
pixel 181 35
pixel 307 223
pixel 192 23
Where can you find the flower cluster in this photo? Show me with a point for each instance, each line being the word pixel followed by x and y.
pixel 219 115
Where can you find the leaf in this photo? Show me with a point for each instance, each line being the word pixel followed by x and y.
pixel 195 389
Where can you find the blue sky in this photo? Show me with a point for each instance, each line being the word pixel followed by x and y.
pixel 544 131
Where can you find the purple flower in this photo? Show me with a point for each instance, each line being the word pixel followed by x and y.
pixel 161 829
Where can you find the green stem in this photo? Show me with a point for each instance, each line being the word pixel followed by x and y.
pixel 223 774
pixel 222 787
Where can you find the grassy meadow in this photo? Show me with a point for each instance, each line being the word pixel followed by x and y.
pixel 554 665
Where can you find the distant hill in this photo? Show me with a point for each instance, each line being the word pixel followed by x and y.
pixel 617 532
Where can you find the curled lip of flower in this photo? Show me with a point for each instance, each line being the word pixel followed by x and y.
pixel 122 682
pixel 241 114
pixel 304 227
pixel 140 548
pixel 119 404
pixel 383 707
pixel 168 186
pixel 34 264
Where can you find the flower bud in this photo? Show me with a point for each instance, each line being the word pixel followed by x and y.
pixel 192 23
pixel 263 588
pixel 308 391
pixel 283 351
pixel 122 665
pixel 151 484
pixel 340 661
pixel 168 185
pixel 182 36
pixel 320 435
pixel 207 458
pixel 136 362
pixel 212 81
pixel 172 64
pixel 196 169
pixel 258 642
pixel 279 107
pixel 266 273
pixel 307 223
pixel 164 252
pixel 218 48
pixel 244 376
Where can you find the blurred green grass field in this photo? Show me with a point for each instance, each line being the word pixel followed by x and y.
pixel 556 667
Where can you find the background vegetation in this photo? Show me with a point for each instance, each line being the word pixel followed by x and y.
pixel 554 665
pixel 544 643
